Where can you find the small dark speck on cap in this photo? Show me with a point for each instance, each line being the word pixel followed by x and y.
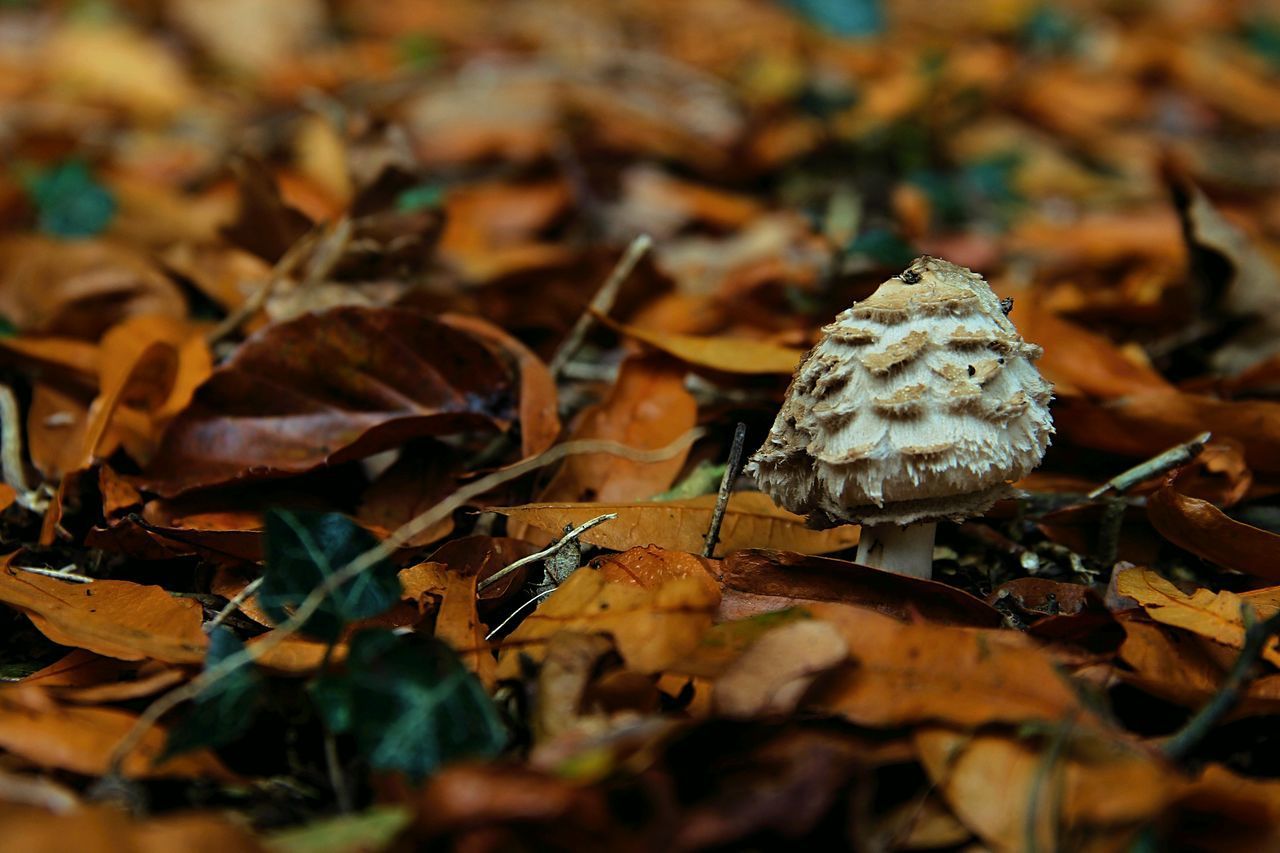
pixel 910 276
pixel 1006 305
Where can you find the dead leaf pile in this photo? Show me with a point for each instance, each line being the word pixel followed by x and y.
pixel 324 325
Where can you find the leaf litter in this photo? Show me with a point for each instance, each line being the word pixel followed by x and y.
pixel 316 318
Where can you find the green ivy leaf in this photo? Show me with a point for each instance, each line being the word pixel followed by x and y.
pixel 843 17
pixel 409 703
pixel 224 710
pixel 69 202
pixel 304 548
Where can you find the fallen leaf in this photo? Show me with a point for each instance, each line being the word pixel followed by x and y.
pixel 130 621
pixel 1200 527
pixel 79 289
pixel 1217 616
pixel 1015 793
pixel 650 627
pixel 773 672
pixel 35 830
pixel 292 398
pixel 761 581
pixel 751 520
pixel 729 355
pixel 648 407
pixel 539 409
pixel 82 739
pixel 909 674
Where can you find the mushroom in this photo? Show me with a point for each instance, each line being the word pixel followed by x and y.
pixel 919 403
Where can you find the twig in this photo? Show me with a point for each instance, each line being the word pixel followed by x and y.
pixel 329 251
pixel 601 303
pixel 1109 527
pixel 240 598
pixel 284 267
pixel 381 551
pixel 60 574
pixel 1256 635
pixel 514 613
pixel 545 552
pixel 1156 465
pixel 726 487
pixel 334 768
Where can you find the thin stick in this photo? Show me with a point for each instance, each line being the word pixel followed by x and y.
pixel 234 604
pixel 284 267
pixel 545 552
pixel 381 551
pixel 726 487
pixel 60 574
pixel 1256 635
pixel 601 303
pixel 514 613
pixel 1156 465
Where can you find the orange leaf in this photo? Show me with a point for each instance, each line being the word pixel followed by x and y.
pixel 906 674
pixel 1216 616
pixel 82 739
pixel 647 408
pixel 1200 527
pixel 751 520
pixel 651 627
pixel 730 355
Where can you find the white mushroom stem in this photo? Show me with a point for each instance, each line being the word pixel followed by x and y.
pixel 903 550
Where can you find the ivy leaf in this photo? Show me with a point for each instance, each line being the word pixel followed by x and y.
pixel 69 202
pixel 843 17
pixel 224 710
pixel 409 704
pixel 304 548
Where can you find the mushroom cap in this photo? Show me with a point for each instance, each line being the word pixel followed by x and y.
pixel 919 403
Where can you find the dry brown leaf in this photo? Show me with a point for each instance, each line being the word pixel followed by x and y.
pixel 729 355
pixel 751 520
pixel 772 674
pixel 651 627
pixel 1014 794
pixel 82 739
pixel 1206 531
pixel 650 567
pixel 106 829
pixel 764 581
pixel 647 408
pixel 1217 616
pixel 130 621
pixel 539 407
pixel 905 674
pixel 1146 424
pixel 1176 666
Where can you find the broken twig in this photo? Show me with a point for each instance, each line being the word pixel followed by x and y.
pixel 726 487
pixel 601 303
pixel 233 605
pixel 545 552
pixel 1153 467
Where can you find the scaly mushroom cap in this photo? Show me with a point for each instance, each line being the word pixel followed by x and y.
pixel 919 403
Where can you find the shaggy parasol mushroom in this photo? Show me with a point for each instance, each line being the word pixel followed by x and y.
pixel 919 403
